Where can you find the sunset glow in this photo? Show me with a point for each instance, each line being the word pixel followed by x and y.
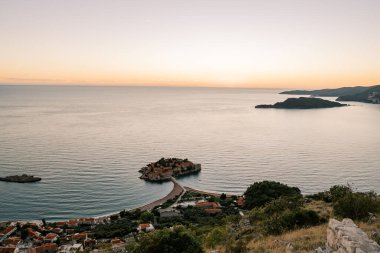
pixel 191 43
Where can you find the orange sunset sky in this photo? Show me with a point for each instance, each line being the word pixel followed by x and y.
pixel 264 44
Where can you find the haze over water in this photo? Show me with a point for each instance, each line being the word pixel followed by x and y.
pixel 88 143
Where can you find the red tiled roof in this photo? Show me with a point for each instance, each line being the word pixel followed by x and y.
pixel 60 223
pixel 207 204
pixel 116 241
pixel 51 236
pixel 8 229
pixel 144 225
pixel 7 249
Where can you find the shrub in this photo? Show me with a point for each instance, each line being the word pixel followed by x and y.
pixel 168 241
pixel 356 205
pixel 291 219
pixel 260 193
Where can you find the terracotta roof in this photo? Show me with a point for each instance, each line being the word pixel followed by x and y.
pixel 7 249
pixel 116 241
pixel 144 226
pixel 207 204
pixel 60 223
pixel 51 236
pixel 8 229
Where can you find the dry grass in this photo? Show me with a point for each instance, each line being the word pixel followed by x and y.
pixel 325 210
pixel 306 239
pixel 302 240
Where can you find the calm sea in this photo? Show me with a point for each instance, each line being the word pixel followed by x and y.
pixel 88 143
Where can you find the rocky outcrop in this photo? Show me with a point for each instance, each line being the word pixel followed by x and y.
pixel 21 179
pixel 346 237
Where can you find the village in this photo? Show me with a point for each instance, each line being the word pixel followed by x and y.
pixel 115 233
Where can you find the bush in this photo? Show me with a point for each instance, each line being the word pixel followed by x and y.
pixel 168 241
pixel 146 217
pixel 356 205
pixel 282 214
pixel 291 219
pixel 261 193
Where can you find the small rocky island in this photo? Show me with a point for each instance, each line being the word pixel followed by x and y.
pixel 21 179
pixel 166 168
pixel 303 103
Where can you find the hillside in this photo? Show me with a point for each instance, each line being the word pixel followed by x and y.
pixel 359 93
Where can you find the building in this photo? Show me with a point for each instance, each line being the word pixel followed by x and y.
pixel 70 248
pixel 206 204
pixel 118 246
pixel 51 238
pixel 9 249
pixel 145 227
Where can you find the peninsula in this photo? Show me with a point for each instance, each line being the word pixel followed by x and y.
pixel 165 168
pixel 21 179
pixel 363 94
pixel 303 103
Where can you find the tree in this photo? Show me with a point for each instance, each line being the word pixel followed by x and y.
pixel 223 196
pixel 260 193
pixel 146 217
pixel 178 240
pixel 216 237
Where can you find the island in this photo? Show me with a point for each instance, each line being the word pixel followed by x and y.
pixel 20 179
pixel 166 168
pixel 363 94
pixel 303 103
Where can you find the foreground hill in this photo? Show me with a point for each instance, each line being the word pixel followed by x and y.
pixel 303 103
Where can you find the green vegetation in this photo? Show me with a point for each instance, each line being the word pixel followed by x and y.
pixel 281 215
pixel 260 193
pixel 303 103
pixel 146 217
pixel 115 229
pixel 350 204
pixel 168 241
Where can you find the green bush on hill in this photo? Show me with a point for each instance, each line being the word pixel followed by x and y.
pixel 281 215
pixel 178 240
pixel 260 193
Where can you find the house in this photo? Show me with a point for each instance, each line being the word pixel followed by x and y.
pixel 60 223
pixel 51 237
pixel 118 246
pixel 169 213
pixel 7 232
pixel 12 240
pixel 90 243
pixel 240 202
pixel 206 204
pixel 9 249
pixel 70 248
pixel 86 221
pixel 145 227
pixel 45 248
pixel 72 223
pixel 79 236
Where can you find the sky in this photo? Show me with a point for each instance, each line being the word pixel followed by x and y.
pixel 213 43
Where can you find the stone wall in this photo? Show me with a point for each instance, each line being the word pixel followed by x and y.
pixel 346 237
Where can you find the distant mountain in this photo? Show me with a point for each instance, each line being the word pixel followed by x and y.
pixel 328 92
pixel 303 103
pixel 371 95
pixel 359 93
